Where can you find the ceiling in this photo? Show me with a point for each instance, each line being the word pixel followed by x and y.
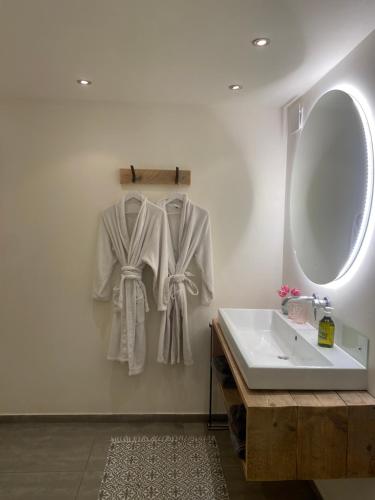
pixel 178 51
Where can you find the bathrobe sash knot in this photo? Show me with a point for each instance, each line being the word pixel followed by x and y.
pixel 175 281
pixel 134 274
pixel 176 345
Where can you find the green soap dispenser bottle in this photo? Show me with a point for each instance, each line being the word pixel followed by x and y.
pixel 326 335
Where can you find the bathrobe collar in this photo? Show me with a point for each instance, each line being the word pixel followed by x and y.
pixel 182 230
pixel 130 239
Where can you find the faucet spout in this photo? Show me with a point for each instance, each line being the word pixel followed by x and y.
pixel 316 302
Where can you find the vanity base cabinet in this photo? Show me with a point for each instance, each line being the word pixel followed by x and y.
pixel 302 434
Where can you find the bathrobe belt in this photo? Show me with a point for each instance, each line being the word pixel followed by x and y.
pixel 131 273
pixel 175 279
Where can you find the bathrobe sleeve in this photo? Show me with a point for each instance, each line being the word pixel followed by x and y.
pixel 105 262
pixel 157 258
pixel 203 256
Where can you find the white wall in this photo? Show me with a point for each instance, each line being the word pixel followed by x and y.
pixel 59 166
pixel 354 301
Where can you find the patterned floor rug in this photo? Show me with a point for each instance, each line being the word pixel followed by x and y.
pixel 163 468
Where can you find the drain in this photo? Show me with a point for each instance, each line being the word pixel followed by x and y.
pixel 283 357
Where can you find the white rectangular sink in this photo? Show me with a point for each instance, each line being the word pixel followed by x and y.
pixel 273 352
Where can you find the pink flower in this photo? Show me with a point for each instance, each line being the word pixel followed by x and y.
pixel 284 291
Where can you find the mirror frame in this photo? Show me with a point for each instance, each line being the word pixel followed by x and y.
pixel 365 232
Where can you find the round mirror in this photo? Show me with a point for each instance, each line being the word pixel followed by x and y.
pixel 331 187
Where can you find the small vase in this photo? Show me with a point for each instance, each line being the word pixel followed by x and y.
pixel 300 312
pixel 292 310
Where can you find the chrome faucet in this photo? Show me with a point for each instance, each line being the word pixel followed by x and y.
pixel 316 302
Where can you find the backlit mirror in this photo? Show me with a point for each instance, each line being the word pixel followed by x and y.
pixel 331 187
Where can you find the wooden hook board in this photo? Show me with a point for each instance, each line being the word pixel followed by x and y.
pixel 156 176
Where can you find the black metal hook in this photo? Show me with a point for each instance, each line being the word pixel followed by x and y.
pixel 134 178
pixel 177 175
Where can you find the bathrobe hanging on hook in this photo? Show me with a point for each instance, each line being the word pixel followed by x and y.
pixel 132 234
pixel 188 237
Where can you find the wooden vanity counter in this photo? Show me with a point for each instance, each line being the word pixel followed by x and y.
pixel 302 434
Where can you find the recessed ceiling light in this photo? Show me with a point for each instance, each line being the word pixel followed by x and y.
pixel 235 86
pixel 84 83
pixel 261 42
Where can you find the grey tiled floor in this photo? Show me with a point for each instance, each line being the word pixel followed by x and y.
pixel 65 461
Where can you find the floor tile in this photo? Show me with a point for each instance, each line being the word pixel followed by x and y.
pixel 239 486
pixel 98 455
pixel 196 428
pixel 90 485
pixel 45 448
pixel 227 453
pixel 233 472
pixel 288 490
pixel 39 486
pixel 143 428
pixel 249 496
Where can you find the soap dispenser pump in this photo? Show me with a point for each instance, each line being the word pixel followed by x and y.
pixel 326 335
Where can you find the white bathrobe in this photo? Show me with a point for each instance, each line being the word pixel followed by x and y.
pixel 131 240
pixel 189 237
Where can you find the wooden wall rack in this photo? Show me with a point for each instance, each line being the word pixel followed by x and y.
pixel 302 434
pixel 154 176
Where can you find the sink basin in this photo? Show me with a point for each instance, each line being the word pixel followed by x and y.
pixel 273 352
